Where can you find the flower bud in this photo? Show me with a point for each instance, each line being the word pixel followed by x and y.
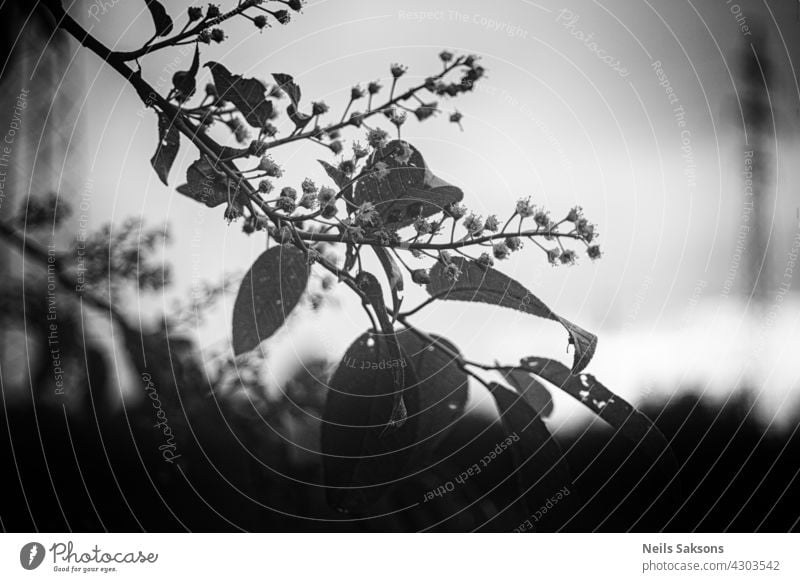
pixel 575 213
pixel 398 70
pixel 514 243
pixel 473 224
pixel 377 137
pixel 195 13
pixel 329 211
pixel 568 257
pixel 421 276
pixel 308 200
pixel 485 261
pixel 455 210
pixel 319 108
pixel 524 207
pixel 260 21
pixel 265 186
pixel 356 92
pixel 282 16
pixel 308 186
pixel 501 251
pixel 286 204
pixel 491 224
pixel 594 252
pixel 289 192
pixel 359 151
pixel 374 87
pixel 425 110
pixel 446 56
pixel 347 167
pixel 217 35
pixel 452 272
pixel 335 147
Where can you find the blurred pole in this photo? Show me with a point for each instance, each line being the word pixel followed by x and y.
pixel 757 276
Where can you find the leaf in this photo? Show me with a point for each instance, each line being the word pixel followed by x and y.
pixel 585 388
pixel 486 285
pixel 339 178
pixel 269 292
pixel 288 86
pixel 541 470
pixel 394 275
pixel 442 385
pixel 247 95
pixel 207 184
pixel 370 287
pixel 361 460
pixel 299 118
pixel 161 19
pixel 169 141
pixel 408 191
pixel 185 82
pixel 532 390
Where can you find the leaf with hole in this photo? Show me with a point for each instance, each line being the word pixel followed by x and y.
pixel 541 470
pixel 586 389
pixel 248 95
pixel 403 189
pixel 486 285
pixel 270 290
pixel 161 20
pixel 168 145
pixel 208 184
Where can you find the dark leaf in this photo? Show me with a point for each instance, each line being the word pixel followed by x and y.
pixel 299 118
pixel 185 82
pixel 247 95
pixel 532 390
pixel 288 86
pixel 541 469
pixel 269 292
pixel 614 410
pixel 486 285
pixel 362 460
pixel 209 185
pixel 339 178
pixel 443 388
pixel 161 19
pixel 369 285
pixel 408 191
pixel 168 144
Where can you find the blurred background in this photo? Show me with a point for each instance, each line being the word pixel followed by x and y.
pixel 675 126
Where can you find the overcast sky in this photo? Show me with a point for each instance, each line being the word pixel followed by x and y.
pixel 574 109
